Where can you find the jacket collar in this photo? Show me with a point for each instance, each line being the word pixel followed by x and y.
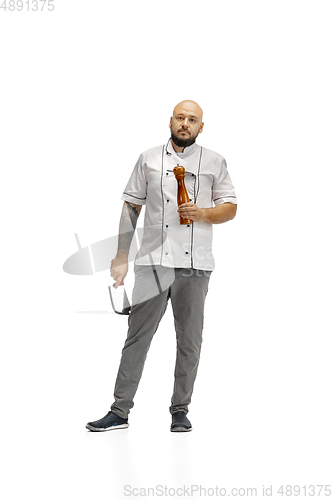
pixel 189 150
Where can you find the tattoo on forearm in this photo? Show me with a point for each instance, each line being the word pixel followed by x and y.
pixel 128 221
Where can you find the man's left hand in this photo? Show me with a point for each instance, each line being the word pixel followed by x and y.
pixel 190 211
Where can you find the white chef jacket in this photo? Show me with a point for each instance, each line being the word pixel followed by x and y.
pixel 152 183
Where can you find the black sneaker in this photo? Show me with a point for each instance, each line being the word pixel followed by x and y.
pixel 110 421
pixel 180 422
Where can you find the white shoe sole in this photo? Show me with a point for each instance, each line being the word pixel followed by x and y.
pixel 180 429
pixel 96 429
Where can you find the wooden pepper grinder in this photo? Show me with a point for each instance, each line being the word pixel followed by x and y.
pixel 182 195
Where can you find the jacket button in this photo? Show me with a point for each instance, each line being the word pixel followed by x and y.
pixel 186 252
pixel 167 225
pixel 168 201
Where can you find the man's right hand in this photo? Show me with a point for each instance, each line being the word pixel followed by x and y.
pixel 118 269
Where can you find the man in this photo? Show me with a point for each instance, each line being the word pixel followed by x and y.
pixel 174 262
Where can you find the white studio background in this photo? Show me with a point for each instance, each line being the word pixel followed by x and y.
pixel 85 89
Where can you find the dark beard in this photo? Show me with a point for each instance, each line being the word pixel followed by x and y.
pixel 182 143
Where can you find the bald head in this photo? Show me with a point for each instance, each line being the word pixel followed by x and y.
pixel 185 124
pixel 190 107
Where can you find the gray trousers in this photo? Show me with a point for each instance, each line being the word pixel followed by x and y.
pixel 187 289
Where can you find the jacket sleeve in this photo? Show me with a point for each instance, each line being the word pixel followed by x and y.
pixel 223 190
pixel 136 188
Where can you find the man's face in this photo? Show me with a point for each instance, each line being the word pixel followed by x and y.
pixel 186 124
